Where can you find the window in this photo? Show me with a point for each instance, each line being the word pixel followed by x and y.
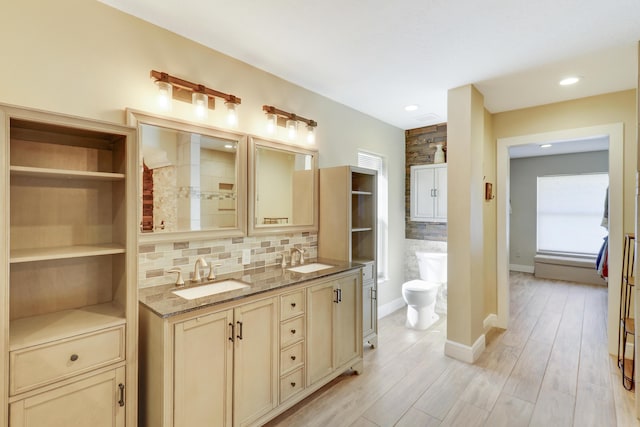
pixel 569 213
pixel 376 162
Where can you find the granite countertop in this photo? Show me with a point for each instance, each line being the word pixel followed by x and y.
pixel 163 302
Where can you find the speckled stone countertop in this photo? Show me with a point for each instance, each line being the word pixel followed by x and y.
pixel 162 301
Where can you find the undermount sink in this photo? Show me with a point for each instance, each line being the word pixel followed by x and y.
pixel 211 289
pixel 309 268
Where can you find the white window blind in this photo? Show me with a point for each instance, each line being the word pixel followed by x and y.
pixel 376 162
pixel 569 213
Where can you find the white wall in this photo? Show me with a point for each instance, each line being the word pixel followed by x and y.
pixel 86 59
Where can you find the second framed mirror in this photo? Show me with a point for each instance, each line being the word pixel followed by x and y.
pixel 283 188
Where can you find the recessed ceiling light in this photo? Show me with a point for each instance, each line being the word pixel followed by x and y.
pixel 229 146
pixel 569 81
pixel 412 107
pixel 545 146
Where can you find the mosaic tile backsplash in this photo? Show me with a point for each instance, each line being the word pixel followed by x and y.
pixel 155 259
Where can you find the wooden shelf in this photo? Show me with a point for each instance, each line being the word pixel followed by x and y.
pixel 43 254
pixel 36 330
pixel 629 326
pixel 64 173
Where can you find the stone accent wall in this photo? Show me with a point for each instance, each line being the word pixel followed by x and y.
pixel 420 146
pixel 155 259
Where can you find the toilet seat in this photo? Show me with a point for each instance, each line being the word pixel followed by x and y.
pixel 419 285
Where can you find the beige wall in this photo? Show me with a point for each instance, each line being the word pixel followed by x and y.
pixel 618 107
pixel 466 132
pixel 86 59
pixel 489 220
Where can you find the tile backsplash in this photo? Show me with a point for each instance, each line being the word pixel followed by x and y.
pixel 155 259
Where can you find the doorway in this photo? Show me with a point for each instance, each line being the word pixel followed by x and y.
pixel 615 134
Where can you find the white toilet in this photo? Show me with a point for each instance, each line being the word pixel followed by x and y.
pixel 420 295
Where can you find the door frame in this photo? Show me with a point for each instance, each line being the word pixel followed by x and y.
pixel 615 132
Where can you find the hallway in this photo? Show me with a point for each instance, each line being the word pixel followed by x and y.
pixel 551 368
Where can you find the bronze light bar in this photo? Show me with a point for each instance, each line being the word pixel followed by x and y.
pixel 186 88
pixel 291 116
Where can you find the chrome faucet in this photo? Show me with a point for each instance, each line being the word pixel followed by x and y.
pixel 293 260
pixel 196 270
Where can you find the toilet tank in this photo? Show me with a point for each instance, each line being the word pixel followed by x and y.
pixel 433 266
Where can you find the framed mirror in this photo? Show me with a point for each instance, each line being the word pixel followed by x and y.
pixel 283 188
pixel 192 180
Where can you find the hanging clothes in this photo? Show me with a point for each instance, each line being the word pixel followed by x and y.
pixel 602 261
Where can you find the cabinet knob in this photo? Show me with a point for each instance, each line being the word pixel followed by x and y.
pixel 74 357
pixel 293 384
pixel 293 358
pixel 293 304
pixel 293 331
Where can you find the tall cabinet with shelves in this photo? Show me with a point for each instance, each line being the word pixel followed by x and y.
pixel 69 305
pixel 348 230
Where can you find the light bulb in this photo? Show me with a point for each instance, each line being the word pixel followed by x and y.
pixel 292 129
pixel 232 114
pixel 200 104
pixel 272 123
pixel 165 94
pixel 311 134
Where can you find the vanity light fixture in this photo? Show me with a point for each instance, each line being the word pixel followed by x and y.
pixel 277 117
pixel 202 97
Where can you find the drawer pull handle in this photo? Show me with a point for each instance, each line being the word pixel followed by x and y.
pixel 74 357
pixel 293 384
pixel 239 336
pixel 293 331
pixel 293 304
pixel 121 401
pixel 293 358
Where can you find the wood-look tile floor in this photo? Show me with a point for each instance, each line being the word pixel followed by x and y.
pixel 550 368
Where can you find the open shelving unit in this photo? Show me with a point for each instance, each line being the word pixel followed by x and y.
pixel 347 230
pixel 70 294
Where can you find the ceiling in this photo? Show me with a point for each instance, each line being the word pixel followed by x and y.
pixel 597 143
pixel 377 56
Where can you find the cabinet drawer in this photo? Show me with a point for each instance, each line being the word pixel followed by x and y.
pixel 291 357
pixel 291 305
pixel 291 331
pixel 36 366
pixel 291 384
pixel 368 271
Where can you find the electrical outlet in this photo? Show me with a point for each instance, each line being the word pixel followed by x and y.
pixel 246 256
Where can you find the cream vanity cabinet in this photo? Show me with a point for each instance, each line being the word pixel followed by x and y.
pixel 429 193
pixel 334 331
pixel 69 291
pixel 243 362
pixel 223 368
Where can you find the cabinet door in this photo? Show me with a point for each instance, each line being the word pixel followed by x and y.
pixel 256 357
pixel 422 194
pixel 368 309
pixel 348 318
pixel 321 300
pixel 441 193
pixel 203 369
pixel 93 401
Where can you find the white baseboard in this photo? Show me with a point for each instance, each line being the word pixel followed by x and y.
pixel 465 353
pixel 390 307
pixel 521 268
pixel 490 322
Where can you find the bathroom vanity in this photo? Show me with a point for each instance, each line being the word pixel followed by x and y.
pixel 241 357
